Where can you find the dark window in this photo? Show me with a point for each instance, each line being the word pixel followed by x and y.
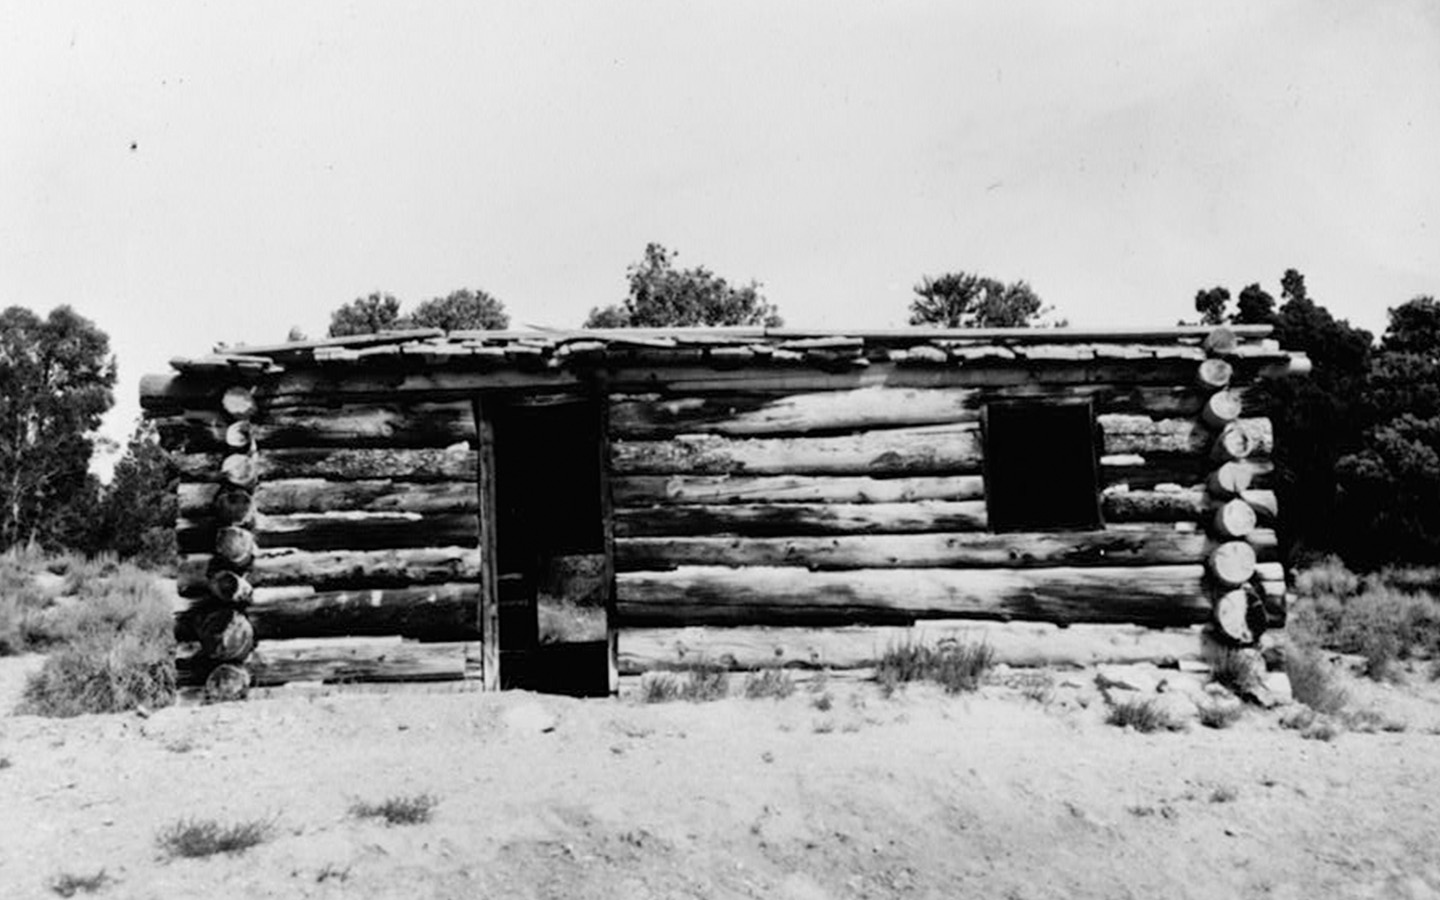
pixel 1040 466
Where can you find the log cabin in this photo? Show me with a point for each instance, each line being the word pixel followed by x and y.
pixel 424 506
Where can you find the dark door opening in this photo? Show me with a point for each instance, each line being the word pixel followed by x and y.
pixel 1040 466
pixel 554 571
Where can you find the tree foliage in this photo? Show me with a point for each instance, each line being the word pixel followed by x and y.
pixel 56 381
pixel 966 300
pixel 1315 418
pixel 662 296
pixel 137 513
pixel 462 310
pixel 1390 484
pixel 366 315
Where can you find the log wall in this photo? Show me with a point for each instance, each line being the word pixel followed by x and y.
pixel 864 508
pixel 326 541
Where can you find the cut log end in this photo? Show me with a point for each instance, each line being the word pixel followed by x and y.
pixel 1234 519
pixel 240 470
pixel 1221 339
pixel 238 402
pixel 231 589
pixel 1222 408
pixel 234 506
pixel 227 682
pixel 1230 479
pixel 1214 374
pixel 1240 616
pixel 226 636
pixel 1234 443
pixel 236 546
pixel 239 435
pixel 1232 563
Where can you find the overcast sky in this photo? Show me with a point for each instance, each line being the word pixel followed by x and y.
pixel 189 173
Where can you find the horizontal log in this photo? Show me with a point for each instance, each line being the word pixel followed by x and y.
pixel 339 531
pixel 1153 506
pixel 318 495
pixel 388 425
pixel 946 449
pixel 193 431
pixel 1144 435
pixel 759 414
pixel 800 519
pixel 856 647
pixel 650 490
pixel 340 569
pixel 438 612
pixel 1141 472
pixel 1141 546
pixel 367 530
pixel 360 659
pixel 1151 595
pixel 454 463
pixel 748 415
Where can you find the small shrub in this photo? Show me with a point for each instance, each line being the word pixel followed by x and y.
pixel 1312 681
pixel 1220 715
pixel 1037 686
pixel 1323 730
pixel 823 726
pixel 957 666
pixel 68 885
pixel 824 702
pixel 195 838
pixel 1384 617
pixel 1235 670
pixel 1224 794
pixel 413 810
pixel 1143 715
pixel 1328 577
pixel 771 682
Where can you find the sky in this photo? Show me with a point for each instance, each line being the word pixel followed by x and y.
pixel 191 173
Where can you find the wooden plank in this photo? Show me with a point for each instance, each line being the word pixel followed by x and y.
pixel 1145 435
pixel 671 490
pixel 356 659
pixel 699 595
pixel 488 575
pixel 1120 546
pixel 376 425
pixel 945 449
pixel 800 519
pixel 861 647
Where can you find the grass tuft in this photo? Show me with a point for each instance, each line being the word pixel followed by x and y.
pixel 68 885
pixel 415 809
pixel 1220 715
pixel 1224 794
pixel 1144 716
pixel 771 682
pixel 1234 669
pixel 956 666
pixel 198 838
pixel 697 682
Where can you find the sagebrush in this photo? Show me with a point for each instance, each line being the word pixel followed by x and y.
pixel 955 665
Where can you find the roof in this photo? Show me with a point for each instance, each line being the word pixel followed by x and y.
pixel 730 347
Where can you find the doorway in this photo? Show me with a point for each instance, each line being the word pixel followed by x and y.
pixel 554 572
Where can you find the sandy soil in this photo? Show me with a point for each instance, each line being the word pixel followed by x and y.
pixel 991 795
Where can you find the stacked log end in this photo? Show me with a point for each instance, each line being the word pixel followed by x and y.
pixel 226 635
pixel 1246 595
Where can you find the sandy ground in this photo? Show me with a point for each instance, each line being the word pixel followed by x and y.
pixel 991 795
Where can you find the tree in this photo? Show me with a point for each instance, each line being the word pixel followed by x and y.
pixel 140 505
pixel 367 315
pixel 1210 304
pixel 662 296
pixel 1255 306
pixel 965 300
pixel 460 311
pixel 1316 418
pixel 1390 485
pixel 56 381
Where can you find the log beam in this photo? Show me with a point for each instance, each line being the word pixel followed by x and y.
pixel 800 519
